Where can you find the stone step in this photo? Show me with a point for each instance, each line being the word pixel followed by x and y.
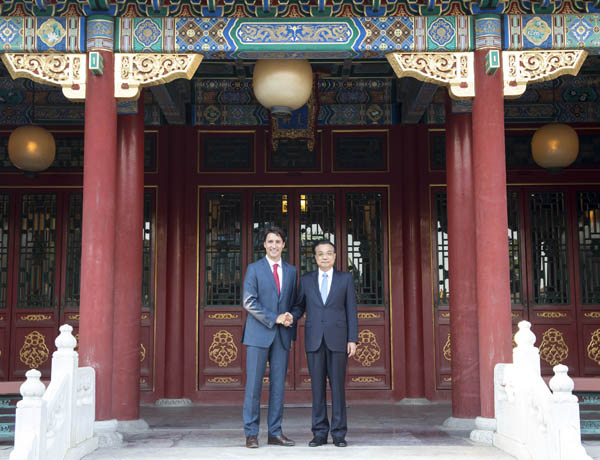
pixel 8 407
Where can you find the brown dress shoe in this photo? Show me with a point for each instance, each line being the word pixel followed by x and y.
pixel 251 442
pixel 281 440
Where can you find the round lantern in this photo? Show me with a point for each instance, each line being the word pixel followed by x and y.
pixel 31 148
pixel 555 146
pixel 282 85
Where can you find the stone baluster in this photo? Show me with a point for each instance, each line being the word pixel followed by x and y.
pixel 30 429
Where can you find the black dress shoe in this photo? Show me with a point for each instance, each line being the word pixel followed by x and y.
pixel 340 442
pixel 316 442
pixel 251 442
pixel 281 440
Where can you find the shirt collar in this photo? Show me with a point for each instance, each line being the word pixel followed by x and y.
pixel 329 273
pixel 271 263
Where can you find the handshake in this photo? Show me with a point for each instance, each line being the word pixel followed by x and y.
pixel 286 319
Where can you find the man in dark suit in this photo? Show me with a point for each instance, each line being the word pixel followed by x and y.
pixel 331 335
pixel 269 292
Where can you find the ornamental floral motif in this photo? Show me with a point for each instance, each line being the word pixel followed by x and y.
pixel 441 32
pixel 223 350
pixel 51 32
pixel 537 31
pixel 142 352
pixel 34 351
pixel 368 350
pixel 304 33
pixel 553 349
pixel 8 31
pixel 593 348
pixel 147 32
pixel 447 349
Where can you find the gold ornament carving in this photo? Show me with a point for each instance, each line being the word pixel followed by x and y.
pixel 551 315
pixel 34 351
pixel 369 316
pixel 363 379
pixel 515 315
pixel 454 70
pixel 307 380
pixel 593 348
pixel 523 67
pixel 222 380
pixel 74 317
pixel 142 352
pixel 65 70
pixel 553 349
pixel 136 71
pixel 367 351
pixel 447 379
pixel 265 380
pixel 221 316
pixel 445 315
pixel 145 316
pixel 38 317
pixel 592 314
pixel 222 350
pixel 447 349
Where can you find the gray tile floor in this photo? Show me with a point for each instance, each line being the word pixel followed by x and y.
pixel 391 431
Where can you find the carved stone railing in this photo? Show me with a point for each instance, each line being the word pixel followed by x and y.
pixel 533 422
pixel 57 422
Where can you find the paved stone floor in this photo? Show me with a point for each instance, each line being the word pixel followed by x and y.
pixel 392 431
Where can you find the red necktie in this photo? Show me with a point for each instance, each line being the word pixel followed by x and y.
pixel 276 278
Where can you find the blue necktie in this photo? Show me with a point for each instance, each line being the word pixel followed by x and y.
pixel 324 288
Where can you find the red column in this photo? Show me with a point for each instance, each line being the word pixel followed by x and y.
pixel 128 265
pixel 98 232
pixel 413 314
pixel 463 292
pixel 489 174
pixel 175 265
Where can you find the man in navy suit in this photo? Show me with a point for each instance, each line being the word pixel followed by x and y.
pixel 269 292
pixel 331 335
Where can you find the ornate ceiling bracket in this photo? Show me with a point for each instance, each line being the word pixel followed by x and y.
pixel 454 70
pixel 136 71
pixel 523 67
pixel 65 70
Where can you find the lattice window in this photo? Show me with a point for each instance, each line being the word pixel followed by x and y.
pixel 514 249
pixel 223 249
pixel 4 232
pixel 73 272
pixel 365 245
pixel 269 210
pixel 147 244
pixel 442 294
pixel 37 251
pixel 317 222
pixel 588 227
pixel 550 268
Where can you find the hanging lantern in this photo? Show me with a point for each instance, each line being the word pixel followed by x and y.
pixel 282 85
pixel 31 148
pixel 555 146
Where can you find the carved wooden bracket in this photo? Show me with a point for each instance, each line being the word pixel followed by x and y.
pixel 65 70
pixel 523 67
pixel 454 70
pixel 136 71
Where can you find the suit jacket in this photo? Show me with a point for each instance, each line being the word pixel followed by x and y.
pixel 264 304
pixel 334 321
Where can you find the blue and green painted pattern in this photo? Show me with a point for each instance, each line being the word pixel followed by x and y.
pixel 320 37
pixel 39 34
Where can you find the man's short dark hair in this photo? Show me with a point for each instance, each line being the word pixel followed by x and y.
pixel 320 242
pixel 276 230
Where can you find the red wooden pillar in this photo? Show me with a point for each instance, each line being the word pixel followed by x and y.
pixel 413 314
pixel 463 292
pixel 489 173
pixel 128 265
pixel 98 224
pixel 175 267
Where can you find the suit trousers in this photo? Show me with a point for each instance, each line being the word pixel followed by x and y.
pixel 256 363
pixel 325 363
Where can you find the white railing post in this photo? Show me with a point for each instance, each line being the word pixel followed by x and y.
pixel 534 423
pixel 30 427
pixel 65 361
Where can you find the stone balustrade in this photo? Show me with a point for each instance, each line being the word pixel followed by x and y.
pixel 535 422
pixel 57 422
